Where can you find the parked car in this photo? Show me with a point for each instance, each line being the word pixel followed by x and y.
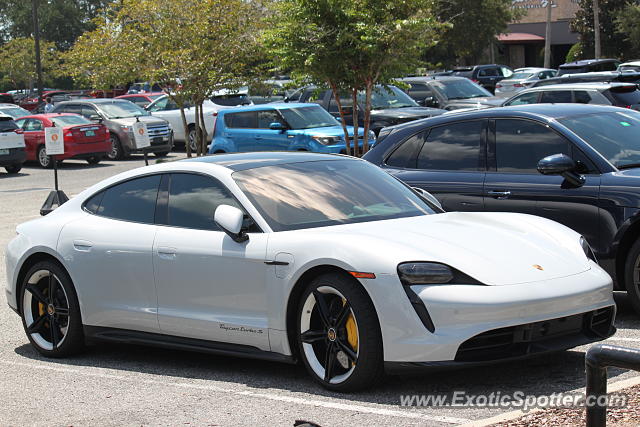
pixel 624 95
pixel 119 116
pixel 266 92
pixel 485 75
pixel 492 160
pixel 32 103
pixel 389 106
pixel 13 110
pixel 142 99
pixel 231 97
pixel 144 87
pixel 523 79
pixel 280 127
pixel 319 258
pixel 450 93
pixel 83 139
pixel 12 147
pixel 603 77
pixel 6 98
pixel 629 67
pixel 166 109
pixel 588 66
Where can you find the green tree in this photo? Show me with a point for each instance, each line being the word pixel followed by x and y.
pixel 17 62
pixel 613 43
pixel 627 25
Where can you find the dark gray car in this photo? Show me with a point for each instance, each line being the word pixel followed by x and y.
pixel 450 93
pixel 119 116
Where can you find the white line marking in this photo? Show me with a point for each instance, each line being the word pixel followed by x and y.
pixel 287 399
pixel 614 338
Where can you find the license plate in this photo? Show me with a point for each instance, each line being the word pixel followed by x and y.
pixel 4 152
pixel 90 133
pixel 157 140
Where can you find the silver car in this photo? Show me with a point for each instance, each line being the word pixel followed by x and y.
pixel 119 116
pixel 522 78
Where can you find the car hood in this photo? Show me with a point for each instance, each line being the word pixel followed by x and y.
pixel 325 131
pixel 149 120
pixel 493 248
pixel 492 101
pixel 406 112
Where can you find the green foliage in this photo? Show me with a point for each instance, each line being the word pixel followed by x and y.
pixel 628 26
pixel 613 43
pixel 575 53
pixel 17 62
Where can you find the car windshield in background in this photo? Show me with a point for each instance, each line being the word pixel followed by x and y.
pixel 383 98
pixel 330 192
pixel 615 135
pixel 63 121
pixel 231 100
pixel 460 89
pixel 15 112
pixel 308 117
pixel 521 76
pixel 122 110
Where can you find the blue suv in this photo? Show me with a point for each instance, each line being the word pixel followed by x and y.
pixel 281 127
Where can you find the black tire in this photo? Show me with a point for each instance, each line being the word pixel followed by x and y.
pixel 66 337
pixel 191 139
pixel 161 153
pixel 13 168
pixel 632 276
pixel 363 366
pixel 94 160
pixel 42 158
pixel 117 152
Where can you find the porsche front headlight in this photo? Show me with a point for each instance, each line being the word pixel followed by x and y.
pixel 424 273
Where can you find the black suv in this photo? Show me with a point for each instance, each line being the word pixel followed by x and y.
pixel 389 106
pixel 485 75
pixel 450 93
pixel 12 152
pixel 572 163
pixel 588 66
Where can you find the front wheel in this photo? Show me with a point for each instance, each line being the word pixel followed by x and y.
pixel 94 160
pixel 116 153
pixel 338 334
pixel 50 311
pixel 161 153
pixel 44 160
pixel 632 276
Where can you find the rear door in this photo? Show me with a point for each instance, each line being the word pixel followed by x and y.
pixel 447 161
pixel 241 130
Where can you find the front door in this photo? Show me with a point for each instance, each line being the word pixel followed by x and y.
pixel 270 139
pixel 209 287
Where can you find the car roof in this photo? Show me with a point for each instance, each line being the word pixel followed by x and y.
pixel 631 63
pixel 50 115
pixel 275 105
pixel 244 161
pixel 93 101
pixel 7 105
pixel 586 85
pixel 432 78
pixel 583 62
pixel 531 69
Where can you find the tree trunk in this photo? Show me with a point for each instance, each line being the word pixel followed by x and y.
pixel 547 38
pixel 198 133
pixel 203 125
pixel 343 122
pixel 185 126
pixel 367 115
pixel 354 99
pixel 596 28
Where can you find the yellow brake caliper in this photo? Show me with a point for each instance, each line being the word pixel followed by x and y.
pixel 352 330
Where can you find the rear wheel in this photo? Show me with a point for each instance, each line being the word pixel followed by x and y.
pixel 94 160
pixel 338 334
pixel 116 153
pixel 50 311
pixel 44 160
pixel 192 140
pixel 161 153
pixel 632 276
pixel 13 168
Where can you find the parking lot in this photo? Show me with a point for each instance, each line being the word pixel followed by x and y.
pixel 115 385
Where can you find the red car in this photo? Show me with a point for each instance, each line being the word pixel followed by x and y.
pixel 83 139
pixel 55 95
pixel 142 99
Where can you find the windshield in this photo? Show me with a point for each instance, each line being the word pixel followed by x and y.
pixel 460 89
pixel 15 112
pixel 122 110
pixel 330 192
pixel 615 135
pixel 383 98
pixel 521 76
pixel 63 121
pixel 308 117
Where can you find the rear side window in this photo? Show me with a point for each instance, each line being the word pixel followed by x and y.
pixel 454 147
pixel 244 120
pixel 133 200
pixel 556 96
pixel 625 97
pixel 405 154
pixel 525 98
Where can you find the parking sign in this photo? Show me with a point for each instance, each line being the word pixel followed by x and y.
pixel 141 135
pixel 53 140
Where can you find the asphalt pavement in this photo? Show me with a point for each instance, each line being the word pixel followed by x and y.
pixel 130 385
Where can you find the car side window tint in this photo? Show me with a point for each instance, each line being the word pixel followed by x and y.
pixel 453 147
pixel 244 120
pixel 160 105
pixel 583 163
pixel 581 97
pixel 556 96
pixel 133 200
pixel 193 200
pixel 345 102
pixel 21 123
pixel 72 108
pixel 33 125
pixel 265 118
pixel 525 98
pixel 405 155
pixel 521 144
pixel 93 204
pixel 88 111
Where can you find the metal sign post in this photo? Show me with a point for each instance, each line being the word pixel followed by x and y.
pixel 141 137
pixel 54 145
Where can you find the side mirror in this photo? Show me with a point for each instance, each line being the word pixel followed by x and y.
pixel 430 101
pixel 95 118
pixel 230 219
pixel 428 197
pixel 277 126
pixel 561 164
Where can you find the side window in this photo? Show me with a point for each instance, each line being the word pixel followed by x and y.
pixel 583 163
pixel 556 96
pixel 93 204
pixel 266 117
pixel 521 144
pixel 506 72
pixel 133 200
pixel 33 125
pixel 295 96
pixel 419 90
pixel 581 97
pixel 453 147
pixel 405 155
pixel 21 123
pixel 525 98
pixel 72 108
pixel 88 111
pixel 244 120
pixel 193 199
pixel 345 101
pixel 160 105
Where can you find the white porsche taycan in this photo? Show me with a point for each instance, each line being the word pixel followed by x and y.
pixel 298 256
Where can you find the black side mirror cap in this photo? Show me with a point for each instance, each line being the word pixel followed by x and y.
pixel 561 164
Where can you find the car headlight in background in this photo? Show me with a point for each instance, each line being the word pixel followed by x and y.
pixel 326 140
pixel 587 250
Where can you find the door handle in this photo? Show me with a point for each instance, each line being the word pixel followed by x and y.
pixel 258 137
pixel 499 194
pixel 82 245
pixel 166 253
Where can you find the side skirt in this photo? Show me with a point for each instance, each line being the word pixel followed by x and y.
pixel 125 336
